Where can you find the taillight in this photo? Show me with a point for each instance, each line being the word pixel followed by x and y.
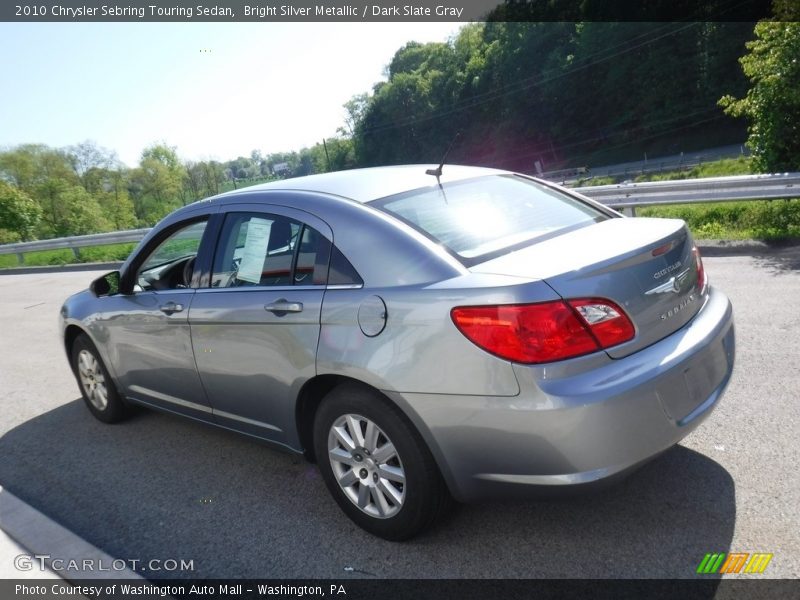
pixel 544 332
pixel 606 321
pixel 701 271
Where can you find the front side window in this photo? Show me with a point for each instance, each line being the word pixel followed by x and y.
pixel 171 264
pixel 259 249
pixel 485 216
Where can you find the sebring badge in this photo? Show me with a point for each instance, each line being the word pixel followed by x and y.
pixel 678 308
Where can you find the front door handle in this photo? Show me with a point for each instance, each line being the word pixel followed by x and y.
pixel 170 307
pixel 284 306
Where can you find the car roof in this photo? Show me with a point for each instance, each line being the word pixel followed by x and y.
pixel 365 185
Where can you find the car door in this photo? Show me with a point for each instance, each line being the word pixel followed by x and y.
pixel 255 328
pixel 148 328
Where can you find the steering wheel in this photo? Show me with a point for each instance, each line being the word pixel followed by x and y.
pixel 188 271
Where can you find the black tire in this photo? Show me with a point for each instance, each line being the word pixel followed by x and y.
pixel 425 496
pixel 113 409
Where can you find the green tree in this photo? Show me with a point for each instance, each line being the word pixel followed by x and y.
pixel 556 91
pixel 80 213
pixel 114 199
pixel 157 185
pixel 31 165
pixel 19 214
pixel 354 110
pixel 48 176
pixel 772 104
pixel 103 175
pixel 68 209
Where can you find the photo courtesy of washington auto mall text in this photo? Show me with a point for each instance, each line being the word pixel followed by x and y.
pixel 170 590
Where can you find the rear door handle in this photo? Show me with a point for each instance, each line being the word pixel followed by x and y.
pixel 170 307
pixel 284 306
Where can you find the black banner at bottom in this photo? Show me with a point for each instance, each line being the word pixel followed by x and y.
pixel 403 589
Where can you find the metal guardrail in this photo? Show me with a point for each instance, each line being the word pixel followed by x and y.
pixel 74 243
pixel 710 189
pixel 625 196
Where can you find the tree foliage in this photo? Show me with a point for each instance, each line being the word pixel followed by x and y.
pixel 772 104
pixel 19 214
pixel 48 176
pixel 550 92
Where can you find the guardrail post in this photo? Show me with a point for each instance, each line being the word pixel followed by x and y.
pixel 629 211
pixel 20 258
pixel 76 251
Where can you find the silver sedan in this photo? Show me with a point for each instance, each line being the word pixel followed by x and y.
pixel 422 334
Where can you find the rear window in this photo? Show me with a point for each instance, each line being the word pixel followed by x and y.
pixel 486 216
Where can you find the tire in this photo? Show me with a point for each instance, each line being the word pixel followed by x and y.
pixel 97 387
pixel 392 487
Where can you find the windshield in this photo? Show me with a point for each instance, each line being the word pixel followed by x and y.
pixel 485 215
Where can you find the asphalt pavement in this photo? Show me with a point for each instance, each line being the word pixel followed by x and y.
pixel 158 488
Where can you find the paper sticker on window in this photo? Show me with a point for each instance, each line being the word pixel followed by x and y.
pixel 255 250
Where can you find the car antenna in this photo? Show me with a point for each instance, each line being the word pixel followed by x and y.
pixel 437 172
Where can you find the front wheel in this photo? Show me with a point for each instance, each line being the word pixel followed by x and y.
pixel 376 465
pixel 97 388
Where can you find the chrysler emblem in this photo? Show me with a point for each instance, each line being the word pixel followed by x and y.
pixel 673 284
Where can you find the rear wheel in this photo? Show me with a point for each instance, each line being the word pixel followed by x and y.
pixel 376 465
pixel 96 385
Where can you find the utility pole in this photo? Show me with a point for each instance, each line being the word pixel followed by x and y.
pixel 327 159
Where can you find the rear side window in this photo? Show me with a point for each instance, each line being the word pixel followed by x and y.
pixel 259 249
pixel 341 271
pixel 485 216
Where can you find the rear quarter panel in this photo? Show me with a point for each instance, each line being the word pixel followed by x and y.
pixel 420 349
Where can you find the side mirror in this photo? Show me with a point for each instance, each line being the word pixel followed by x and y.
pixel 107 285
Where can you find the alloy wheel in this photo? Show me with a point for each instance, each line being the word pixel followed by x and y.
pixel 92 379
pixel 367 466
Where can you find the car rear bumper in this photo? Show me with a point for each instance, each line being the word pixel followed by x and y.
pixel 573 426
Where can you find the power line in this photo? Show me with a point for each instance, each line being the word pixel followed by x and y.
pixel 523 85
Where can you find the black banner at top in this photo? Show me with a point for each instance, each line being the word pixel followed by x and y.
pixel 389 10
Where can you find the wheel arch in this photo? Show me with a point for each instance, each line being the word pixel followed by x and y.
pixel 314 391
pixel 71 333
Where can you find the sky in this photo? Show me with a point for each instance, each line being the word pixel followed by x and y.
pixel 214 90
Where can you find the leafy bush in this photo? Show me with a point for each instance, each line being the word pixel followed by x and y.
pixel 768 220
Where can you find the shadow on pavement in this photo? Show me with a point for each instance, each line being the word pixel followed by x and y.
pixel 784 259
pixel 159 487
pixel 777 257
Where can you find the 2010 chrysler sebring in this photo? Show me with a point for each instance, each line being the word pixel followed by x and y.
pixel 422 334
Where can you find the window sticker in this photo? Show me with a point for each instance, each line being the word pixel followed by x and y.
pixel 255 250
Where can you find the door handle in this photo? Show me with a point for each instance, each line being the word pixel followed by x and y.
pixel 284 306
pixel 170 307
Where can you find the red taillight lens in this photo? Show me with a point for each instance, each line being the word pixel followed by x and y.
pixel 544 332
pixel 701 271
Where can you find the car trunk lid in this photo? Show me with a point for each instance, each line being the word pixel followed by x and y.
pixel 646 266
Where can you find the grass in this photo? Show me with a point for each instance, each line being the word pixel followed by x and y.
pixel 110 253
pixel 769 220
pixel 742 165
